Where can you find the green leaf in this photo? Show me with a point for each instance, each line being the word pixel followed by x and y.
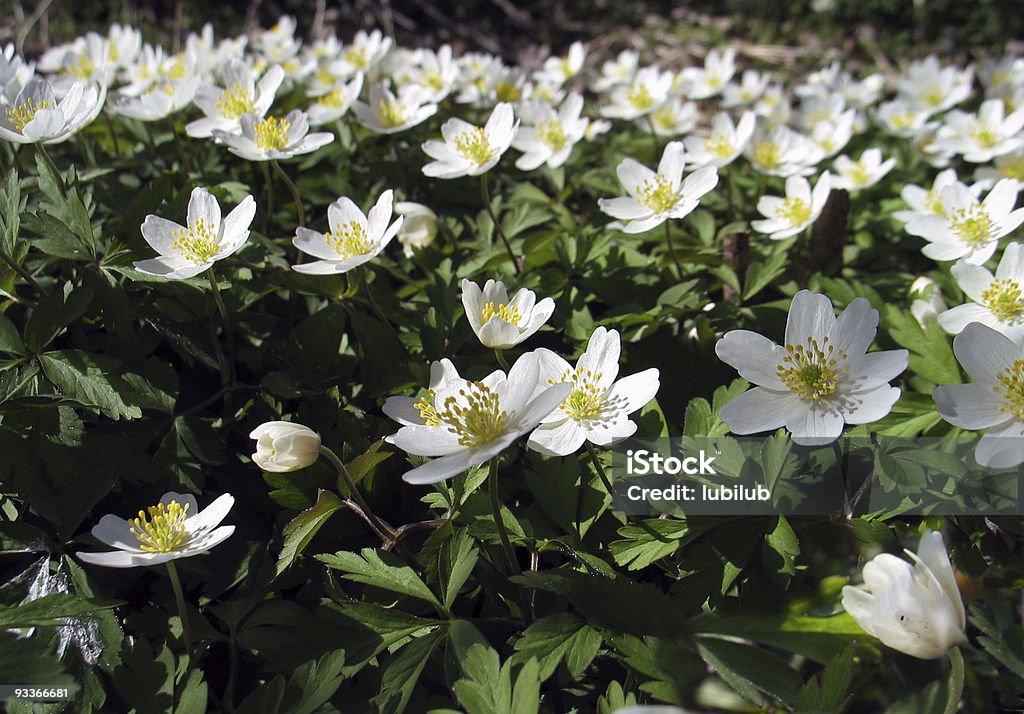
pixel 24 660
pixel 781 549
pixel 89 380
pixel 647 541
pixel 51 610
pixel 193 697
pixel 557 638
pixel 829 691
pixel 62 306
pixel 301 529
pixel 456 559
pixel 400 674
pixel 363 465
pixel 750 670
pixel 313 684
pixel 10 340
pixel 931 355
pixel 383 570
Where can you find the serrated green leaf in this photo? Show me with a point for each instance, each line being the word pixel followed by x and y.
pixel 301 529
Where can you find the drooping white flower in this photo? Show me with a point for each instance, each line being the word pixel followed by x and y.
pixel 279 42
pixel 655 197
pixel 419 228
pixel 282 446
pixel 598 408
pixel 174 528
pixel 388 113
pixel 831 136
pixel 238 95
pixel 996 301
pixel 500 323
pixel 783 152
pixel 547 136
pixel 725 142
pixel 995 401
pixel 821 378
pixel 647 91
pixel 915 607
pixel 354 238
pixel 469 150
pixel 270 138
pixel 866 171
pixel 473 421
pixel 968 228
pixel 185 251
pixel 35 115
pixel 981 137
pixel 800 208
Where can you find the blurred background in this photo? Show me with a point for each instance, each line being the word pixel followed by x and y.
pixel 520 30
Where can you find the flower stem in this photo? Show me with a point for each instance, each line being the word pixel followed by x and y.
pixel 179 598
pixel 499 522
pixel 385 532
pixel 672 250
pixel 956 681
pixel 299 210
pixel 182 155
pixel 374 306
pixel 219 300
pixel 486 193
pixel 502 362
pixel 600 469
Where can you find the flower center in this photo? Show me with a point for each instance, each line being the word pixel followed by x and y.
pixel 197 243
pixel 425 406
pixel 795 210
pixel 25 112
pixel 334 99
pixel 477 421
pixel 508 313
pixel 506 92
pixel 1004 299
pixel 972 224
pixel 391 113
pixel 902 120
pixel 552 133
pixel 586 401
pixel 719 145
pixel 350 240
pixel 767 154
pixel 858 174
pixel 161 528
pixel 272 133
pixel 1013 167
pixel 656 193
pixel 809 370
pixel 933 97
pixel 178 70
pixel 82 68
pixel 984 135
pixel 357 57
pixel 235 102
pixel 933 203
pixel 640 97
pixel 1011 387
pixel 473 146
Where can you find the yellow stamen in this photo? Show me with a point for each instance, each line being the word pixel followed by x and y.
pixel 720 145
pixel 586 400
pixel 507 92
pixel 1004 299
pixel 235 101
pixel 657 194
pixel 479 420
pixel 474 146
pixel 391 113
pixel 1011 388
pixel 809 370
pixel 640 97
pixel 272 133
pixel 197 243
pixel 25 112
pixel 508 313
pixel 425 406
pixel 350 240
pixel 795 210
pixel 552 133
pixel 1012 167
pixel 972 224
pixel 161 528
pixel 984 135
pixel 767 154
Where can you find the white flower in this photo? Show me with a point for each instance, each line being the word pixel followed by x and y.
pixel 996 301
pixel 914 608
pixel 35 115
pixel 646 92
pixel 559 70
pixel 981 137
pixel 902 118
pixel 186 251
pixel 725 142
pixel 419 228
pixel 995 401
pixel 548 135
pixel 240 94
pixel 159 101
pixel 867 171
pixel 928 202
pixel 282 446
pixel 500 323
pixel 475 421
pixel 598 408
pixel 469 150
pixel 672 118
pixel 707 81
pixel 935 88
pixel 387 113
pixel 333 104
pixel 365 53
pixel 170 530
pixel 655 197
pixel 278 43
pixel 820 379
pixel 354 238
pixel 422 411
pixel 748 91
pixel 617 71
pixel 783 152
pixel 435 72
pixel 800 208
pixel 270 138
pixel 1009 166
pixel 927 300
pixel 832 135
pixel 967 228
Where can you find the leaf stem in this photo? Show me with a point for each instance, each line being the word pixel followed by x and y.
pixel 486 193
pixel 20 271
pixel 600 469
pixel 299 210
pixel 374 306
pixel 345 478
pixel 499 522
pixel 956 681
pixel 179 598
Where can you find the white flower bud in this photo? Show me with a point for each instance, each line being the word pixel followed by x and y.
pixel 914 608
pixel 419 228
pixel 927 300
pixel 282 446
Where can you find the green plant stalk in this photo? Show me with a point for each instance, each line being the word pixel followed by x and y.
pixel 502 362
pixel 486 194
pixel 179 598
pixel 229 336
pixel 299 210
pixel 597 465
pixel 374 306
pixel 383 530
pixel 672 250
pixel 956 681
pixel 499 522
pixel 20 271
